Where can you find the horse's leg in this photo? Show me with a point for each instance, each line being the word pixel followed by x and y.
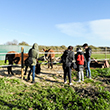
pixel 26 70
pixel 8 70
pixel 11 70
pixel 49 63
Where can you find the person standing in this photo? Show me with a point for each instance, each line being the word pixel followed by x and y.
pixel 80 61
pixel 88 53
pixel 33 54
pixel 66 59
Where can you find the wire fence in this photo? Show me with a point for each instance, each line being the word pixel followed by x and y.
pixel 105 53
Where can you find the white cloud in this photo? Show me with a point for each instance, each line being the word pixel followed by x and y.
pixel 101 28
pixel 88 30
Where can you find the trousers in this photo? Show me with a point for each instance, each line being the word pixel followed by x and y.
pixel 32 69
pixel 88 69
pixel 80 72
pixel 67 70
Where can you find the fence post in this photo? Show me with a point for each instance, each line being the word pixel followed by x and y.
pixel 22 66
pixel 105 52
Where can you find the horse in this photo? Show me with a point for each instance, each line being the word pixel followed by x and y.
pixel 14 57
pixel 49 56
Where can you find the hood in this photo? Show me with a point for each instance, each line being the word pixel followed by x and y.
pixel 80 53
pixel 35 46
pixel 79 50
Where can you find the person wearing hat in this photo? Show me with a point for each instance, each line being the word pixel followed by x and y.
pixel 88 53
pixel 80 61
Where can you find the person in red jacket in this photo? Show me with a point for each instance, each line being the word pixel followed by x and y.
pixel 80 61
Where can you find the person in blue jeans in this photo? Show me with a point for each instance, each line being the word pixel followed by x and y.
pixel 32 69
pixel 88 52
pixel 33 54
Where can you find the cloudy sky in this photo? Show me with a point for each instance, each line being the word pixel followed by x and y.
pixel 55 22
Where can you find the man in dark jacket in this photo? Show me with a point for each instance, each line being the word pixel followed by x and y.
pixel 88 53
pixel 67 58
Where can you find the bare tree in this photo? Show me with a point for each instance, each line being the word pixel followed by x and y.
pixel 14 42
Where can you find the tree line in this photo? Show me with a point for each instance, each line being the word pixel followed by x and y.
pixel 56 48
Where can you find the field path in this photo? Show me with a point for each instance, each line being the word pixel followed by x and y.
pixel 49 77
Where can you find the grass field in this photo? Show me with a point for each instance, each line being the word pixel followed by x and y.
pixel 92 94
pixel 96 56
pixel 88 95
pixel 100 56
pixel 3 63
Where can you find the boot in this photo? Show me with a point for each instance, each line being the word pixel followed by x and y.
pixel 33 81
pixel 28 78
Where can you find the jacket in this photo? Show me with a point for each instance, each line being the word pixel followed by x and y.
pixel 88 54
pixel 68 57
pixel 34 53
pixel 80 67
pixel 81 53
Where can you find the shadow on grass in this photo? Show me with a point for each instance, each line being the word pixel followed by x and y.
pixel 5 73
pixel 51 77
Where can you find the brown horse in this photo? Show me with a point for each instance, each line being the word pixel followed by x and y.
pixel 14 57
pixel 49 56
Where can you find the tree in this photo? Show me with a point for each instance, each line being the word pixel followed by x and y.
pixel 24 43
pixel 14 42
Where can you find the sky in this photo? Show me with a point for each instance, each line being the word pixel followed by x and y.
pixel 55 22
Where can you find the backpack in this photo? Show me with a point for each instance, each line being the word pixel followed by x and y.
pixel 80 59
pixel 28 61
pixel 65 57
pixel 38 68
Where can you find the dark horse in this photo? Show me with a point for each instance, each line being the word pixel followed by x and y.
pixel 49 56
pixel 14 57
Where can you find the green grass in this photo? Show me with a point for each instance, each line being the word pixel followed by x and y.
pixel 96 56
pixel 15 95
pixel 3 63
pixel 100 56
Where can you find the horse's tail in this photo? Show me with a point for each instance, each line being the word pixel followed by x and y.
pixel 6 58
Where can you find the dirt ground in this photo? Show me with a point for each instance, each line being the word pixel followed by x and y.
pixel 48 76
pixel 51 77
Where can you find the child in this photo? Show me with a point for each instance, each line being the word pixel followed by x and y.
pixel 79 57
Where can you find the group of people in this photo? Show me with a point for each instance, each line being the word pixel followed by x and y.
pixel 78 61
